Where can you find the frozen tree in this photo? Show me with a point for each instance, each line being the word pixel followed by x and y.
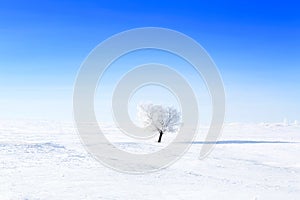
pixel 285 122
pixel 296 122
pixel 159 118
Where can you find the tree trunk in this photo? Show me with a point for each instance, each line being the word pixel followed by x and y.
pixel 160 135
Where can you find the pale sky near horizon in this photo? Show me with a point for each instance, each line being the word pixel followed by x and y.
pixel 255 45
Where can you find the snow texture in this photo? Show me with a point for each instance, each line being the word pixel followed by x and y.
pixel 46 160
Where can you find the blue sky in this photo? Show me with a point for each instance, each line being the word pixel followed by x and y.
pixel 255 44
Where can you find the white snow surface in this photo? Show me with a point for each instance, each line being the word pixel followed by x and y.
pixel 46 160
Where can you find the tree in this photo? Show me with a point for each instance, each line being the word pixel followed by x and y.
pixel 159 118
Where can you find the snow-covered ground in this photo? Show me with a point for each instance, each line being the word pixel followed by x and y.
pixel 45 160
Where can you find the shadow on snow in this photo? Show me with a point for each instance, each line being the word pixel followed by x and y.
pixel 244 142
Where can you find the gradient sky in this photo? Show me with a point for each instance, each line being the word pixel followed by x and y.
pixel 255 44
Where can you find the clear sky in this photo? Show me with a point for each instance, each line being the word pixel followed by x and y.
pixel 255 44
